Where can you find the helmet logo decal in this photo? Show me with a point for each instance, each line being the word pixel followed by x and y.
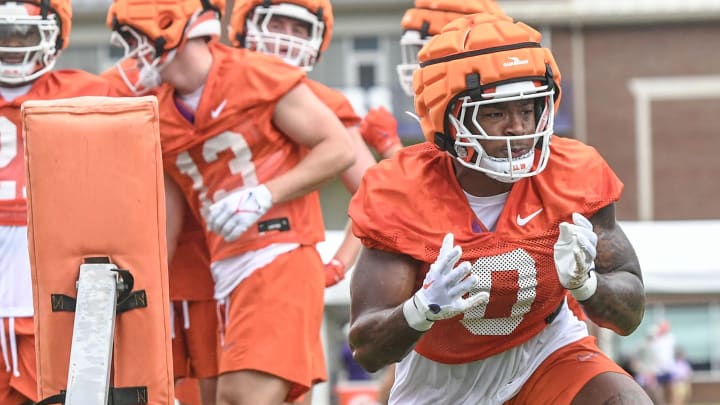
pixel 515 61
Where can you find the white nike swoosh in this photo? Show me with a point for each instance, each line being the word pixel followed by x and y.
pixel 585 357
pixel 522 221
pixel 216 112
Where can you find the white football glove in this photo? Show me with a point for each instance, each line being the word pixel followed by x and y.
pixel 575 252
pixel 441 295
pixel 233 214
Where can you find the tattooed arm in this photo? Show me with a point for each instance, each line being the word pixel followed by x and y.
pixel 619 302
pixel 381 283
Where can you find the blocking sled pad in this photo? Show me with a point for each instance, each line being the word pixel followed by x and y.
pixel 94 190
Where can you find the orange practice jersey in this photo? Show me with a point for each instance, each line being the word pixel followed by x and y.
pixel 336 101
pixel 55 84
pixel 232 143
pixel 576 308
pixel 190 277
pixel 116 82
pixel 407 204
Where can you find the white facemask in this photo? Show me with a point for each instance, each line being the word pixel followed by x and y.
pixel 410 45
pixel 505 169
pixel 294 50
pixel 28 61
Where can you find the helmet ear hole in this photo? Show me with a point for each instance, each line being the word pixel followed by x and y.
pixel 165 20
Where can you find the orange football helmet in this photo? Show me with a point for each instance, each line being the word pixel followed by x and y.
pixel 152 31
pixel 32 34
pixel 250 28
pixel 476 62
pixel 425 20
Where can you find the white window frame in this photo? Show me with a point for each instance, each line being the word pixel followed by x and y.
pixel 645 90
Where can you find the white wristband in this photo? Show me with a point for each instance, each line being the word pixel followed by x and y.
pixel 587 290
pixel 415 317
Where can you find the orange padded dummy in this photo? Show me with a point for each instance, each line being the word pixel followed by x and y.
pixel 95 188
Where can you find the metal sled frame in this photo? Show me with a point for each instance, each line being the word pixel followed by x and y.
pixel 93 332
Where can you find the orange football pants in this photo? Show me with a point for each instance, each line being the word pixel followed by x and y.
pixel 18 390
pixel 195 349
pixel 562 375
pixel 273 321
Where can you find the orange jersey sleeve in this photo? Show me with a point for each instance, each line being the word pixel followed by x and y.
pixel 52 85
pixel 408 203
pixel 576 308
pixel 112 75
pixel 336 101
pixel 230 142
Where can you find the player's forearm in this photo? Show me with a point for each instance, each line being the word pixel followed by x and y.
pixel 324 162
pixel 619 302
pixel 363 160
pixel 381 338
pixel 348 250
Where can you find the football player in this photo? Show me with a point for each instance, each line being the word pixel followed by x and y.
pixel 32 35
pixel 247 144
pixel 419 24
pixel 193 306
pixel 298 31
pixel 425 20
pixel 472 239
